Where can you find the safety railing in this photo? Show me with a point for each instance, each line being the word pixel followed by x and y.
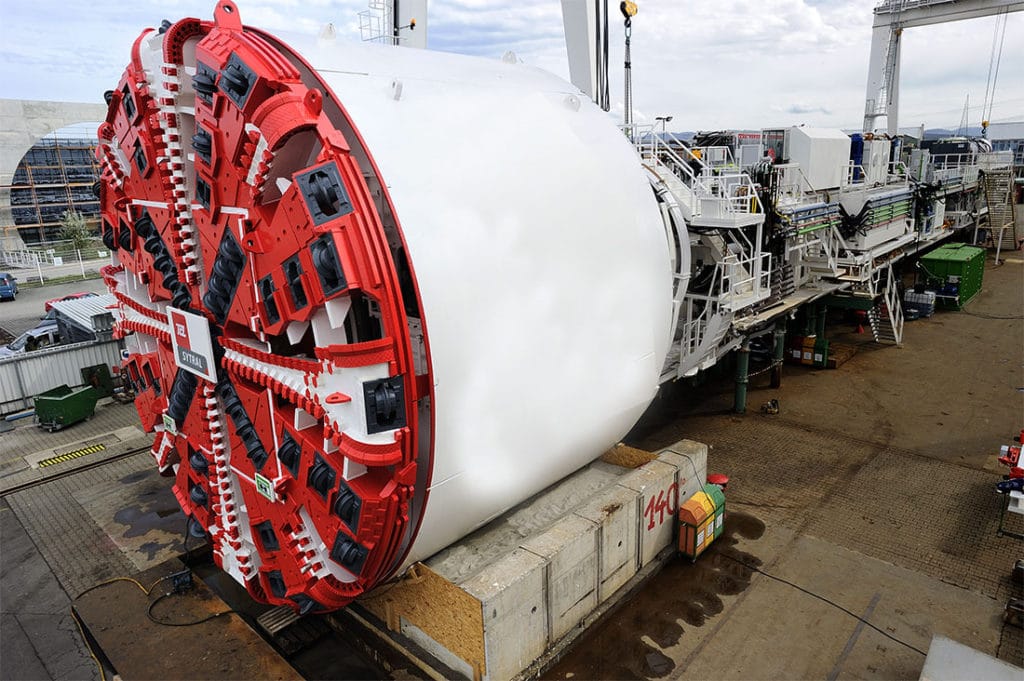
pixel 729 194
pixel 22 258
pixel 738 282
pixel 714 193
pixel 821 251
pixel 995 160
pixel 792 183
pixel 703 329
pixel 857 175
pixel 745 280
pixel 694 327
pixel 894 306
pixel 949 168
pixel 715 157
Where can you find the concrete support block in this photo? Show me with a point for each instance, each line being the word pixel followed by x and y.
pixel 655 484
pixel 515 617
pixel 570 548
pixel 505 595
pixel 691 460
pixel 616 512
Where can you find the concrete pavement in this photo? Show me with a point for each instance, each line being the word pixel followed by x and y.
pixel 39 639
pixel 872 488
pixel 20 315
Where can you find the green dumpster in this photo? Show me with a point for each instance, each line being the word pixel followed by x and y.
pixel 956 270
pixel 63 406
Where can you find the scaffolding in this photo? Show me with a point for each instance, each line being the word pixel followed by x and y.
pixel 56 175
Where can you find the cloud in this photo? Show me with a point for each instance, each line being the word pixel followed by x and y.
pixel 729 63
pixel 800 108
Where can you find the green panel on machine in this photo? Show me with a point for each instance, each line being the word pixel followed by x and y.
pixel 849 301
pixel 956 271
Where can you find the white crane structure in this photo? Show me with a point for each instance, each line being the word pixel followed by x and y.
pixel 891 18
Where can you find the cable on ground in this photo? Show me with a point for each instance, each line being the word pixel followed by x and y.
pixel 148 592
pixel 989 316
pixel 124 579
pixel 825 600
pixel 153 618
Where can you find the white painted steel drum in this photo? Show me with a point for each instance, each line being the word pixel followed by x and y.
pixel 540 256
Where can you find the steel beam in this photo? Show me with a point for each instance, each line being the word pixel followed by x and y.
pixel 891 18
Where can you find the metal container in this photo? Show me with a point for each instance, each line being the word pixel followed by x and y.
pixel 63 406
pixel 957 270
pixel 717 496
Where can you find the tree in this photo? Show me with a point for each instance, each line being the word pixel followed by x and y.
pixel 75 229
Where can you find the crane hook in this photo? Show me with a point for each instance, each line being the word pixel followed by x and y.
pixel 629 10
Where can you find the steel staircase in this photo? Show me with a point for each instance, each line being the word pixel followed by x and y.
pixel 682 193
pixel 998 185
pixel 783 281
pixel 706 338
pixel 707 198
pixel 886 317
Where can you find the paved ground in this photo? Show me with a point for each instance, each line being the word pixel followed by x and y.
pixel 113 425
pixel 60 537
pixel 20 315
pixel 39 640
pixel 873 488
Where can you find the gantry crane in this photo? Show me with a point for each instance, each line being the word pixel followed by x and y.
pixel 891 18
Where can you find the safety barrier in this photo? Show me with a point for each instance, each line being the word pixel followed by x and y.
pixel 29 374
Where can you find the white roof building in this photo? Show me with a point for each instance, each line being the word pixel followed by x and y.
pixel 1006 131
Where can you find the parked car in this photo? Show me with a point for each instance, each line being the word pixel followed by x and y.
pixel 42 336
pixel 71 296
pixel 8 286
pixel 70 321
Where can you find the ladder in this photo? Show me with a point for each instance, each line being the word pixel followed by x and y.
pixel 1002 226
pixel 783 281
pixel 886 317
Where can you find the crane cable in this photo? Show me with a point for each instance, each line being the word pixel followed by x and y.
pixel 995 59
pixel 629 10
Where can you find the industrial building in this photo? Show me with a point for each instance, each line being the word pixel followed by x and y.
pixel 1009 137
pixel 56 175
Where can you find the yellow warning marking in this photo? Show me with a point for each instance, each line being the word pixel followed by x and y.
pixel 71 455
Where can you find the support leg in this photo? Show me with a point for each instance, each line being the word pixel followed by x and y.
pixel 779 354
pixel 742 369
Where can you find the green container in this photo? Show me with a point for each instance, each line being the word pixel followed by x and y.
pixel 62 406
pixel 957 264
pixel 820 356
pixel 99 378
pixel 718 497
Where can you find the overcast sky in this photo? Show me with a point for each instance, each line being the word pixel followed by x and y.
pixel 709 63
